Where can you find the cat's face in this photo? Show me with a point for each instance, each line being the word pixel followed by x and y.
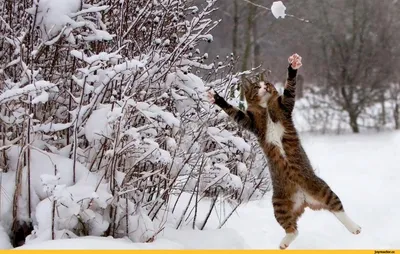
pixel 259 92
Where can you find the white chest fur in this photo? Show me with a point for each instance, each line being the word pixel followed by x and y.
pixel 275 133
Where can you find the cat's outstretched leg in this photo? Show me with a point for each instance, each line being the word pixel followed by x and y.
pixel 210 95
pixel 244 119
pixel 289 93
pixel 295 61
pixel 320 196
pixel 348 222
pixel 288 239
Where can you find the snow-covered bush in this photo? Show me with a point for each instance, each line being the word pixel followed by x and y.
pixel 103 118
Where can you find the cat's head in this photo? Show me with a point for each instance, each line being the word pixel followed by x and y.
pixel 259 91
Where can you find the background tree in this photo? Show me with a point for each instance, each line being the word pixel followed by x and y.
pixel 356 54
pixel 348 48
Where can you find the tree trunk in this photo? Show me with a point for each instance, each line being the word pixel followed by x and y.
pixel 235 27
pixel 353 123
pixel 247 49
pixel 383 116
pixel 256 47
pixel 396 116
pixel 235 39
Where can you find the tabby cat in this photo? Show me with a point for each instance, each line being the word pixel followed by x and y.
pixel 295 185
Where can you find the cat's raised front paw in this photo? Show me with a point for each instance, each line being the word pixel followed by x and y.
pixel 295 61
pixel 210 96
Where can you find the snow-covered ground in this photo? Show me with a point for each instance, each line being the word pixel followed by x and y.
pixel 364 170
pixel 100 243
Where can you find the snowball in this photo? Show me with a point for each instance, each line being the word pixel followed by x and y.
pixel 278 9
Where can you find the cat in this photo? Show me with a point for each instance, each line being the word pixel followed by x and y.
pixel 295 185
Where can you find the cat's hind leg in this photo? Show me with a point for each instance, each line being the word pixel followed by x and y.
pixel 287 218
pixel 321 196
pixel 348 222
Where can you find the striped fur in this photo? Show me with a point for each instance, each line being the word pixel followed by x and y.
pixel 295 185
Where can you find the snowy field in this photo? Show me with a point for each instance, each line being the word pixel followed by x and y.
pixel 364 170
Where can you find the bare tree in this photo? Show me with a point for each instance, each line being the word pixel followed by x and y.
pixel 394 93
pixel 356 53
